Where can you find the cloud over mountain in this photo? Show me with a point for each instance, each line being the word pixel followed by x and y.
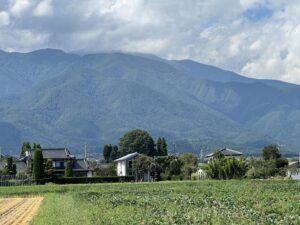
pixel 256 38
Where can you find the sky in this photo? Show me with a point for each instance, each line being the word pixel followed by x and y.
pixel 257 38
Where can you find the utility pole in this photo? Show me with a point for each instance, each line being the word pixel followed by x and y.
pixel 174 148
pixel 85 152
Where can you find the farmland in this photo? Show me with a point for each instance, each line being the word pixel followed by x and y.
pixel 190 202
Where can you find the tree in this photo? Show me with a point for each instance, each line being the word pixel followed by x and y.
pixel 25 147
pixel 161 146
pixel 10 168
pixel 69 169
pixel 271 152
pixel 226 168
pixel 137 141
pixel 107 149
pixel 38 163
pixel 114 153
pixel 175 166
pixel 190 164
pixel 48 167
pixel 142 164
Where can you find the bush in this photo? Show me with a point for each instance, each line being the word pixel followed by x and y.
pixel 87 180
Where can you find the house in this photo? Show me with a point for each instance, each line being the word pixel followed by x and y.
pixel 59 158
pixel 125 167
pixel 21 166
pixel 294 170
pixel 226 152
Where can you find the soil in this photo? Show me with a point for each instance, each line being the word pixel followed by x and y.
pixel 18 211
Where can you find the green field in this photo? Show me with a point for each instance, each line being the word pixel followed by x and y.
pixel 193 202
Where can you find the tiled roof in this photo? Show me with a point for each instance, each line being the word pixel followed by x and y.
pixel 80 164
pixel 55 153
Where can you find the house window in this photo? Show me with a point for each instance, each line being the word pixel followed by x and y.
pixel 130 164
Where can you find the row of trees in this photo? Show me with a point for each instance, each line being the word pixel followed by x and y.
pixel 272 164
pixel 136 141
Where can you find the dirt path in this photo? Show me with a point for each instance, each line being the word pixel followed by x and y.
pixel 18 211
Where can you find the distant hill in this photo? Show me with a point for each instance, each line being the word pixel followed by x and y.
pixel 61 99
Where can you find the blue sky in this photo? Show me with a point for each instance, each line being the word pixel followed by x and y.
pixel 257 38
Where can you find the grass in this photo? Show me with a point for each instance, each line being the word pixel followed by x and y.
pixel 193 202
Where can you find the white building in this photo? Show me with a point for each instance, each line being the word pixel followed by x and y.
pixel 124 168
pixel 124 164
pixel 294 170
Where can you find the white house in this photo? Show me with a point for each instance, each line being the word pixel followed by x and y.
pixel 124 167
pixel 294 170
pixel 124 164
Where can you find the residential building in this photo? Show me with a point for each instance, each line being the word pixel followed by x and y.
pixel 225 152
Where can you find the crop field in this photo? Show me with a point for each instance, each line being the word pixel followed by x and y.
pixel 193 202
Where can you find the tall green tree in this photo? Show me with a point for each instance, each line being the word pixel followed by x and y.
pixel 114 153
pixel 48 167
pixel 25 147
pixel 38 163
pixel 143 164
pixel 137 141
pixel 107 149
pixel 10 168
pixel 69 169
pixel 158 146
pixel 271 152
pixel 164 147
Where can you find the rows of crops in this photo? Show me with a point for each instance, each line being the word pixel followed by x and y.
pixel 199 202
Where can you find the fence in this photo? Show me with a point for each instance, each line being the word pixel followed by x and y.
pixel 13 180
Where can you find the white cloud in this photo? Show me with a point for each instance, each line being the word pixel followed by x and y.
pixel 19 7
pixel 263 44
pixel 4 19
pixel 44 8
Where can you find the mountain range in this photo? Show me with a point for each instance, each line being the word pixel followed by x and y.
pixel 66 99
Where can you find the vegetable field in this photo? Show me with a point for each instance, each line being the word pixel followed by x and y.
pixel 193 202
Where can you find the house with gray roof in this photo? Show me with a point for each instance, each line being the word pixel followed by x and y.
pixel 294 170
pixel 20 164
pixel 59 158
pixel 225 152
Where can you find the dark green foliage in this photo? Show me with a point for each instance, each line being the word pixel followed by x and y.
pixel 107 149
pixel 88 180
pixel 190 164
pixel 25 147
pixel 114 153
pixel 10 168
pixel 104 171
pixel 38 163
pixel 161 146
pixel 69 169
pixel 137 141
pixel 272 164
pixel 143 164
pixel 48 165
pixel 176 166
pixel 226 168
pixel 271 152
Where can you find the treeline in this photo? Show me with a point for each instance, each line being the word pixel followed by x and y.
pixel 270 165
pixel 135 141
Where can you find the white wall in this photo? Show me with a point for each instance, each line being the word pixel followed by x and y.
pixel 121 168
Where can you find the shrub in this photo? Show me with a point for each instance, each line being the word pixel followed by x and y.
pixel 87 180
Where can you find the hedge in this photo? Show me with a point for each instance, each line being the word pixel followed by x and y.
pixel 87 180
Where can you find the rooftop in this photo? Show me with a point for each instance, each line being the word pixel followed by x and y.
pixel 127 157
pixel 226 152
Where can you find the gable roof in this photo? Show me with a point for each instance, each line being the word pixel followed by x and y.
pixel 55 153
pixel 226 152
pixel 127 157
pixel 20 164
pixel 80 164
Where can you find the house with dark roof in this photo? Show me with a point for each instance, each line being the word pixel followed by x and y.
pixel 226 152
pixel 20 164
pixel 59 158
